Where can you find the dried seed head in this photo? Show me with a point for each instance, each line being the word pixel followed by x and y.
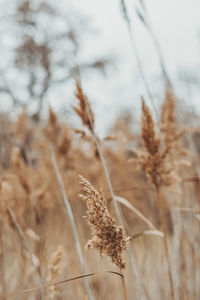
pixel 148 131
pixel 54 269
pixel 53 127
pixel 64 143
pixel 32 234
pixel 169 127
pixel 108 238
pixel 55 265
pixel 168 109
pixel 6 200
pixel 20 169
pixel 83 109
pixel 153 162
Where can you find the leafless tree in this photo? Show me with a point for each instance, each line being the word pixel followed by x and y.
pixel 46 45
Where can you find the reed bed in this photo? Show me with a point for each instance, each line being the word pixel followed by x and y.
pixel 127 228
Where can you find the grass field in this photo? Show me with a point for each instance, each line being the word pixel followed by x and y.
pixel 138 191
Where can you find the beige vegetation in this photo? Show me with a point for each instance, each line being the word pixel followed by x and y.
pixel 136 204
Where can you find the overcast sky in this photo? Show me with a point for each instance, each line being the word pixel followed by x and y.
pixel 176 24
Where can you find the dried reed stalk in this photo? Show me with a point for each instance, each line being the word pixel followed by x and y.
pixel 2 268
pixel 72 222
pixel 155 166
pixel 87 118
pixel 135 211
pixel 26 247
pixel 164 229
pixel 90 118
pixel 144 17
pixel 148 232
pixel 108 238
pixel 136 53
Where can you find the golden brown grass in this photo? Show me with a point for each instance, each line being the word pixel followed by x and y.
pixel 159 191
pixel 108 238
pixel 54 269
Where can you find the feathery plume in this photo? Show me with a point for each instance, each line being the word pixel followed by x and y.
pixel 54 269
pixel 53 128
pixel 108 238
pixel 153 162
pixel 171 132
pixel 83 109
pixel 152 143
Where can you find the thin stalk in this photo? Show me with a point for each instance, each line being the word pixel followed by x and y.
pixel 2 268
pixel 164 229
pixel 145 20
pixel 70 280
pixel 72 222
pixel 124 287
pixel 26 247
pixel 108 180
pixel 137 57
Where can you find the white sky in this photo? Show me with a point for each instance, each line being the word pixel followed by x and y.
pixel 175 23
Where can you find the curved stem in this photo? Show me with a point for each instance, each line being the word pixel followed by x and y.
pixel 124 286
pixel 164 229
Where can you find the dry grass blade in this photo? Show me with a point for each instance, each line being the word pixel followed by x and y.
pixel 197 217
pixel 136 53
pixel 70 279
pixel 72 221
pixel 187 209
pixel 133 188
pixel 148 232
pixel 25 245
pixel 135 210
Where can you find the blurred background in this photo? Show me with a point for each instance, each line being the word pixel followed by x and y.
pixel 121 54
pixel 121 51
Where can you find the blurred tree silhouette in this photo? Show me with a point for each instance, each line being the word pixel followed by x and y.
pixel 46 44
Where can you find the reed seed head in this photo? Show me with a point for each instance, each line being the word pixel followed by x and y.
pixel 153 162
pixel 151 142
pixel 54 269
pixel 108 238
pixel 83 109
